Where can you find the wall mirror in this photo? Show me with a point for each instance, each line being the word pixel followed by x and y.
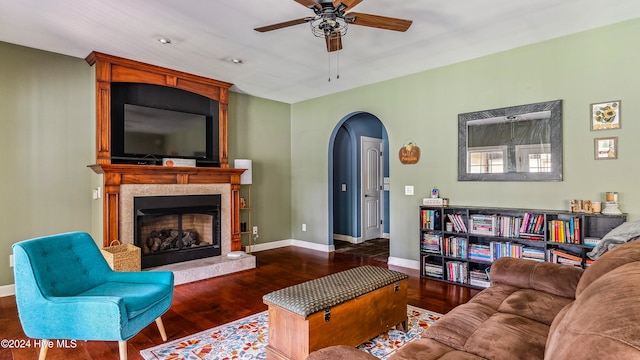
pixel 518 143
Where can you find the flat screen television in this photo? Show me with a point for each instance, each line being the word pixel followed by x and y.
pixel 152 122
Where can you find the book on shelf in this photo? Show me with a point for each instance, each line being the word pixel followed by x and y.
pixel 479 278
pixel 505 249
pixel 480 283
pixel 433 270
pixel 532 224
pixel 591 241
pixel 431 243
pixel 483 224
pixel 509 226
pixel 565 231
pixel 458 222
pixel 532 253
pixel 430 219
pixel 565 258
pixel 457 271
pixel 480 252
pixel 455 247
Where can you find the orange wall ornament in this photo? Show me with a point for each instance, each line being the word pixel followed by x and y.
pixel 409 153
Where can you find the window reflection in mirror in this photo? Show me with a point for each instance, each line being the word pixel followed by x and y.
pixel 520 143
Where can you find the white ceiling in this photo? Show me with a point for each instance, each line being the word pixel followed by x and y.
pixel 290 64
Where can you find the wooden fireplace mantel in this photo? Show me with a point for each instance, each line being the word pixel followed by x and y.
pixel 116 175
pixel 110 69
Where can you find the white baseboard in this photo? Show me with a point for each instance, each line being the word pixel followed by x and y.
pixel 292 242
pixel 347 238
pixel 7 290
pixel 406 263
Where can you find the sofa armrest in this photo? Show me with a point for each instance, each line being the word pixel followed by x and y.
pixel 556 279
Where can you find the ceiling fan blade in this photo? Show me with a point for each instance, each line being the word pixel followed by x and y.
pixel 380 22
pixel 281 25
pixel 309 3
pixel 350 3
pixel 333 41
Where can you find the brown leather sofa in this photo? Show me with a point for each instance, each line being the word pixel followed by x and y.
pixel 537 311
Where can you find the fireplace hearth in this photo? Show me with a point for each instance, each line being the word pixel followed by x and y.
pixel 177 228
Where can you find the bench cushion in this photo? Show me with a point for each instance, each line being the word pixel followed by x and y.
pixel 323 293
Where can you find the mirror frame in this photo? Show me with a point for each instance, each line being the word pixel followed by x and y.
pixel 555 107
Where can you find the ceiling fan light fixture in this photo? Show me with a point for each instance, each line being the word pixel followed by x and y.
pixel 322 26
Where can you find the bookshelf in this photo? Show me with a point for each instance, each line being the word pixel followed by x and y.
pixel 458 244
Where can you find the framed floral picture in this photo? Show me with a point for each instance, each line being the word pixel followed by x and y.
pixel 606 148
pixel 605 115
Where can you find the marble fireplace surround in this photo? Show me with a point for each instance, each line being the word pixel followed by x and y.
pixel 192 270
pixel 130 191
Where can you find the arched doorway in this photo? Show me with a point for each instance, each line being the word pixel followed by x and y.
pixel 351 206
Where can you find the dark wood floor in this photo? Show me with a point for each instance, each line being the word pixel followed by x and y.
pixel 208 303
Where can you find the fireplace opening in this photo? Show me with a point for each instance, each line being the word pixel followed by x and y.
pixel 171 229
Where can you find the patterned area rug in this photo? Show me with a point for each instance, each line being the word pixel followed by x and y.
pixel 246 339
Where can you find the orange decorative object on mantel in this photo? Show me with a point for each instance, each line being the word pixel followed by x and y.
pixel 409 153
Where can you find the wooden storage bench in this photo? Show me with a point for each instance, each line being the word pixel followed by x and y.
pixel 346 308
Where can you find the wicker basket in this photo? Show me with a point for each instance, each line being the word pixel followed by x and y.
pixel 122 257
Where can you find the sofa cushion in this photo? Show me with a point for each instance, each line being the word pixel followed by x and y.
pixel 618 256
pixel 508 336
pixel 459 324
pixel 534 305
pixel 605 316
pixel 500 321
pixel 543 276
pixel 430 349
pixel 137 297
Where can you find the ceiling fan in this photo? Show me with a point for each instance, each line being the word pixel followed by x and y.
pixel 331 21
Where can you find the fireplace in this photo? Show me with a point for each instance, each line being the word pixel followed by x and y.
pixel 177 228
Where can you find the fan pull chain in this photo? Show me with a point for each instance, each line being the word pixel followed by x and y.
pixel 329 66
pixel 338 65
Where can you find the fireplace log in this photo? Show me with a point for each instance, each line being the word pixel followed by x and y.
pixel 168 239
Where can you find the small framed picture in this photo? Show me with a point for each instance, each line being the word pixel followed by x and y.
pixel 605 115
pixel 606 148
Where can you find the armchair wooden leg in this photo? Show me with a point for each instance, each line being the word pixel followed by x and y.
pixel 122 347
pixel 161 328
pixel 44 346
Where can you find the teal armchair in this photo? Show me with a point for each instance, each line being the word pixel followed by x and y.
pixel 66 290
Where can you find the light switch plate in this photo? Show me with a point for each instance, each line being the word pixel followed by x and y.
pixel 408 189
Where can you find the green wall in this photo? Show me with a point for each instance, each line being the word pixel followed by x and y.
pixel 46 138
pixel 593 66
pixel 259 130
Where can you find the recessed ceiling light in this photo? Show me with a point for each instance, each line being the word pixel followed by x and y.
pixel 237 61
pixel 164 41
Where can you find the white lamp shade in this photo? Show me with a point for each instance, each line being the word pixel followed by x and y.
pixel 246 177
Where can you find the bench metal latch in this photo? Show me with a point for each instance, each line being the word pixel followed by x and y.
pixel 327 315
pixel 396 287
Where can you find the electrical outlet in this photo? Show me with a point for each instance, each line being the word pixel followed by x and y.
pixel 11 260
pixel 255 230
pixel 304 227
